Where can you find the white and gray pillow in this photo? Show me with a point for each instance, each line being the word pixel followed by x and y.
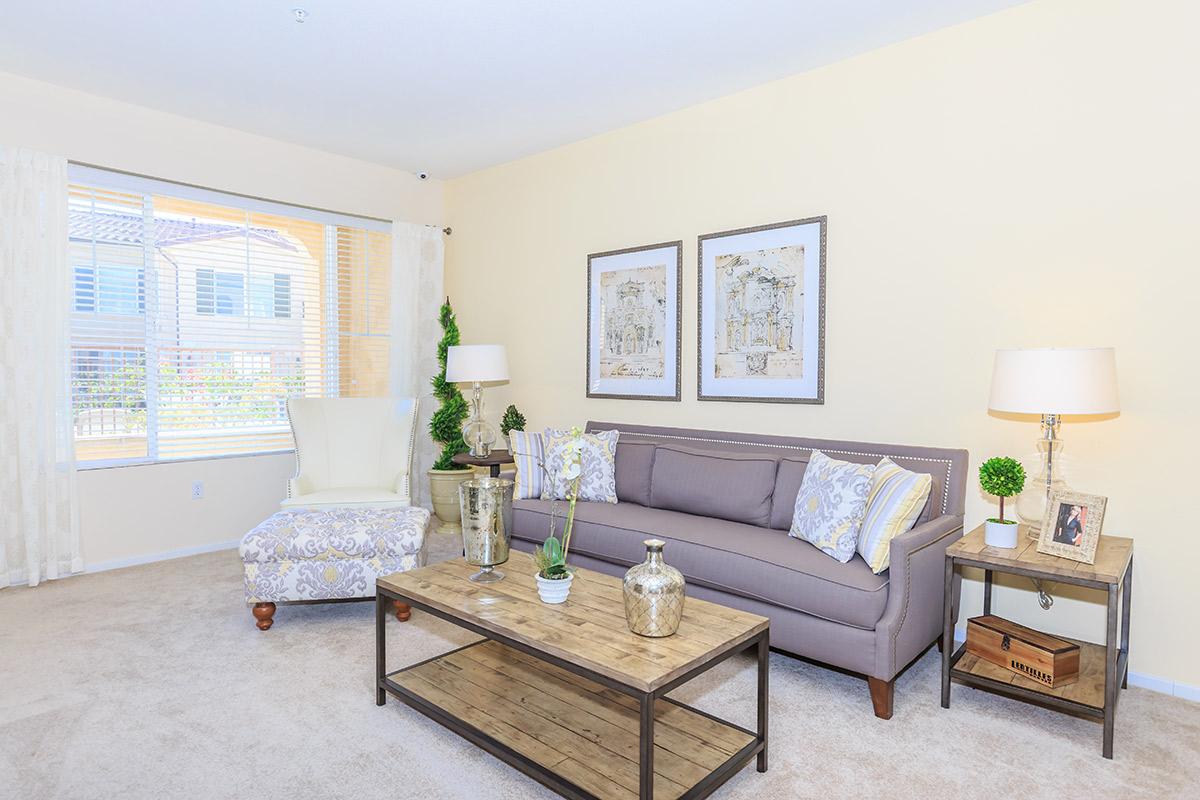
pixel 830 505
pixel 598 482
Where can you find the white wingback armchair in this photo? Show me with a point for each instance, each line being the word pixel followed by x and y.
pixel 352 452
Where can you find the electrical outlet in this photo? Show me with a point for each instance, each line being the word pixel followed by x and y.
pixel 197 490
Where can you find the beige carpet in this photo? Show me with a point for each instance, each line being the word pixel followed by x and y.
pixel 152 682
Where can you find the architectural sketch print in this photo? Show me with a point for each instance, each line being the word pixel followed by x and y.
pixel 633 322
pixel 759 299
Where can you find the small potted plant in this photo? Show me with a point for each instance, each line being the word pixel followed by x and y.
pixel 554 576
pixel 513 421
pixel 1001 477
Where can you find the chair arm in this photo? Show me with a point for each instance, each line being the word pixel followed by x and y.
pixel 297 486
pixel 912 618
pixel 402 486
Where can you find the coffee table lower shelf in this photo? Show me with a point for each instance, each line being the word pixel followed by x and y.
pixel 567 732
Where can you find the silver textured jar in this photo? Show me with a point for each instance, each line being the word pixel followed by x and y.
pixel 486 505
pixel 654 594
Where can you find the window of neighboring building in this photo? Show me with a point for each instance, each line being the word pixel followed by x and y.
pixel 197 314
pixel 108 289
pixel 220 293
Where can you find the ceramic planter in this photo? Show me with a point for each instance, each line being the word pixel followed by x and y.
pixel 554 591
pixel 1000 534
pixel 443 492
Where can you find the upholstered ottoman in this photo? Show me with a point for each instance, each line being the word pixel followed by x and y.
pixel 329 555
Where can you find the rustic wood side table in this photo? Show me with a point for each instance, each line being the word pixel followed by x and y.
pixel 1103 668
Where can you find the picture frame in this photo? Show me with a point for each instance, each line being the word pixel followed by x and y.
pixel 634 317
pixel 761 313
pixel 1071 526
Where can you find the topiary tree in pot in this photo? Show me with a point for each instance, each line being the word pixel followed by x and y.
pixel 1001 477
pixel 513 421
pixel 445 427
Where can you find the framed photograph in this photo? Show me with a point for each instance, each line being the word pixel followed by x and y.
pixel 633 321
pixel 761 315
pixel 1071 528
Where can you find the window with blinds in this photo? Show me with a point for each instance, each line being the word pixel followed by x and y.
pixel 195 315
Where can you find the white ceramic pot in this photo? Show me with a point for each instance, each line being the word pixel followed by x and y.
pixel 1000 534
pixel 443 492
pixel 552 591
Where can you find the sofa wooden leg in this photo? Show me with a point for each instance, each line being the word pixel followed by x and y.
pixel 403 611
pixel 881 696
pixel 264 613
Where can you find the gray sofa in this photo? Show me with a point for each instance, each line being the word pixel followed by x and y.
pixel 723 503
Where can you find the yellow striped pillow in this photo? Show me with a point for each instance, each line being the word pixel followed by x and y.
pixel 529 455
pixel 893 505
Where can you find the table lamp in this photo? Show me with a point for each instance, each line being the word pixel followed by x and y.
pixel 477 364
pixel 1051 382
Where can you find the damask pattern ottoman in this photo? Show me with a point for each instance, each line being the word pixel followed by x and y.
pixel 329 554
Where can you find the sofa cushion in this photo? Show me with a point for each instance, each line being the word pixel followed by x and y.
pixel 634 461
pixel 725 485
pixel 787 485
pixel 745 560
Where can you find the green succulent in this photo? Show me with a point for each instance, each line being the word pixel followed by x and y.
pixel 551 559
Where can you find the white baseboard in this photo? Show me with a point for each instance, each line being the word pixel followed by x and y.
pixel 133 561
pixel 1138 679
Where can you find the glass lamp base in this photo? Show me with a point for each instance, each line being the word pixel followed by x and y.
pixel 1047 477
pixel 487 575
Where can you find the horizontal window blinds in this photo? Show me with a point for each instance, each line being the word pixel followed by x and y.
pixel 193 321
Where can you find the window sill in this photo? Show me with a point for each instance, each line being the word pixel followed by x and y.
pixel 116 463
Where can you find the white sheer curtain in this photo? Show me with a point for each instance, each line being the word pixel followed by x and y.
pixel 417 253
pixel 39 529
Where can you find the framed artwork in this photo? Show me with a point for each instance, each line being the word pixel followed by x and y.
pixel 633 321
pixel 1071 528
pixel 761 315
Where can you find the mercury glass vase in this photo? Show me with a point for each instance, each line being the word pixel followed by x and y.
pixel 654 594
pixel 486 505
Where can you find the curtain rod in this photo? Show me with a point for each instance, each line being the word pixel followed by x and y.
pixel 234 194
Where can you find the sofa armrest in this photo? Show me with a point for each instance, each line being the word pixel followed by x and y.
pixel 912 618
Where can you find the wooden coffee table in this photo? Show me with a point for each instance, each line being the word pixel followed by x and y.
pixel 567 694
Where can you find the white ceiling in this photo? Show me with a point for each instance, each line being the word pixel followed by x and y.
pixel 443 86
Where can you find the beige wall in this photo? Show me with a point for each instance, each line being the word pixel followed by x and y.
pixel 1028 178
pixel 132 513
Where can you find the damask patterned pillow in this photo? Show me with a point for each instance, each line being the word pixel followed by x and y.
pixel 831 503
pixel 528 454
pixel 598 483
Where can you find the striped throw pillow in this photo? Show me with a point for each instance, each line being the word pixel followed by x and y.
pixel 893 505
pixel 528 454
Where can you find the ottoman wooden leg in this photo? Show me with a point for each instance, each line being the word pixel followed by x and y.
pixel 403 611
pixel 264 613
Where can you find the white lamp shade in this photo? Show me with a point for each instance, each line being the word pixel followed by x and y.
pixel 476 363
pixel 1055 381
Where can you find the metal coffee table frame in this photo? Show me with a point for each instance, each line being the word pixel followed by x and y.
pixel 757 748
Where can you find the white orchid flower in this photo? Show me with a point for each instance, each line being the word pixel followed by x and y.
pixel 572 470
